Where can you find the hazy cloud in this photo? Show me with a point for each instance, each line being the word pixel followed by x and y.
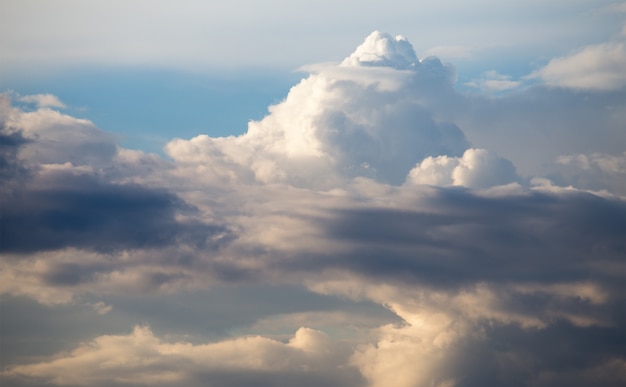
pixel 43 100
pixel 603 162
pixel 492 81
pixel 595 67
pixel 118 33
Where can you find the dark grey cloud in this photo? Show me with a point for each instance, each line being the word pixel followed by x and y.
pixel 460 238
pixel 12 170
pixel 83 209
pixel 557 355
pixel 87 213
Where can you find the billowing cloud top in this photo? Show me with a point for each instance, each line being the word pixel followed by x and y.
pixel 381 49
pixel 355 236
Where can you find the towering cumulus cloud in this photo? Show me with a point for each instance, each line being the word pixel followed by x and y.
pixel 366 117
pixel 355 236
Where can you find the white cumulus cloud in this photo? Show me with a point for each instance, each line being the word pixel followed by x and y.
pixel 339 124
pixel 477 168
pixel 381 49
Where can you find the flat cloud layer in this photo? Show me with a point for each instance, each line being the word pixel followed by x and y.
pixel 192 35
pixel 361 185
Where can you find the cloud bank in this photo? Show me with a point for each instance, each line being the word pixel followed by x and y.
pixel 361 185
pixel 118 33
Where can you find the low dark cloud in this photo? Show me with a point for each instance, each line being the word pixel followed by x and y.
pixel 12 170
pixel 561 354
pixel 87 213
pixel 460 238
pixel 59 208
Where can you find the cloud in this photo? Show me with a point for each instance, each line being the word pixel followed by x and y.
pixel 492 81
pixel 598 171
pixel 58 194
pixel 533 126
pixel 338 124
pixel 469 338
pixel 361 185
pixel 310 358
pixel 61 138
pixel 66 209
pixel 477 168
pixel 603 162
pixel 12 170
pixel 450 237
pixel 381 49
pixel 101 308
pixel 79 35
pixel 595 67
pixel 43 100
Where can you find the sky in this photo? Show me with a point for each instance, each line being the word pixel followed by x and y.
pixel 280 193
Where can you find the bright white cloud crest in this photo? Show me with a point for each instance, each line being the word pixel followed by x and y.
pixel 380 49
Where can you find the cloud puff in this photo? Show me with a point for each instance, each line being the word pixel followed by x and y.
pixel 55 137
pixel 381 49
pixel 477 168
